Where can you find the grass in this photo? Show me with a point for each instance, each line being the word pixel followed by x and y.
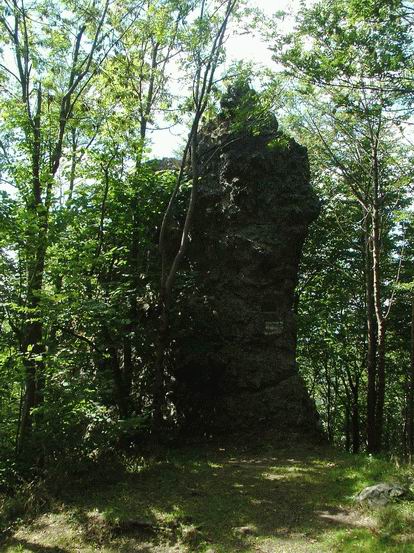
pixel 297 500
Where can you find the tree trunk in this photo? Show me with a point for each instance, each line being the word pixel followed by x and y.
pixel 122 398
pixel 202 85
pixel 410 410
pixel 131 327
pixel 355 418
pixel 379 414
pixel 167 283
pixel 347 428
pixel 371 343
pixel 32 337
pixel 32 346
pixel 381 327
pixel 128 366
pixel 158 379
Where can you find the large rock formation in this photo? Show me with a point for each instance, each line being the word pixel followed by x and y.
pixel 235 359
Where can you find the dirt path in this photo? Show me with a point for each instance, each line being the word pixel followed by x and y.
pixel 274 502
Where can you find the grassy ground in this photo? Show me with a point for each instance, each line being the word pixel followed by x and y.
pixel 284 501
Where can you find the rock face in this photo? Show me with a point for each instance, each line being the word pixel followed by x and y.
pixel 235 359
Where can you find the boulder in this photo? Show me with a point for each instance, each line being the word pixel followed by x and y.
pixel 381 494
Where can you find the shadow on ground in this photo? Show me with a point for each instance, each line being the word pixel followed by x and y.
pixel 224 501
pixel 228 501
pixel 24 545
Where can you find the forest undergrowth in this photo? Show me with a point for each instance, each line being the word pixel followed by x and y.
pixel 215 499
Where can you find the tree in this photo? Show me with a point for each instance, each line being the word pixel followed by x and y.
pixel 51 70
pixel 137 81
pixel 205 52
pixel 347 54
pixel 331 345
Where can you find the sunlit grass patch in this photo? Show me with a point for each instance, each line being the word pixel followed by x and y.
pixel 365 541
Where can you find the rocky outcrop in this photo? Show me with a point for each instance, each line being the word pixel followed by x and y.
pixel 235 364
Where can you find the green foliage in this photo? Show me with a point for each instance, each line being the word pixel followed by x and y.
pixel 347 99
pixel 79 232
pixel 338 40
pixel 245 109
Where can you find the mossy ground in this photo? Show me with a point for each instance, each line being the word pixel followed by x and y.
pixel 271 501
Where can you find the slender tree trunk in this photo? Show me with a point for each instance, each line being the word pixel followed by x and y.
pixel 410 418
pixel 72 165
pixel 134 265
pixel 32 345
pixel 328 399
pixel 127 369
pixel 158 381
pixel 371 342
pixel 381 382
pixel 202 85
pixel 122 398
pixel 32 338
pixel 347 427
pixel 131 327
pixel 381 327
pixel 167 281
pixel 167 284
pixel 355 418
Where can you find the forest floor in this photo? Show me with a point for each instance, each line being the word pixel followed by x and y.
pixel 296 500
